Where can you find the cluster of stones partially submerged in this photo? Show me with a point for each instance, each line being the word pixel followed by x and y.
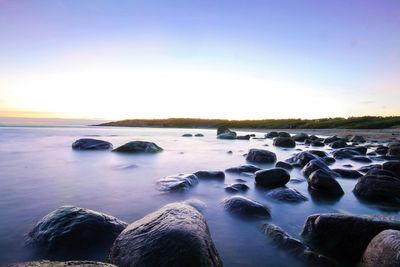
pixel 178 234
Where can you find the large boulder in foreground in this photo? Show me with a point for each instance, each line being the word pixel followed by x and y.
pixel 71 228
pixel 260 156
pixel 294 247
pixel 383 250
pixel 175 235
pixel 245 207
pixel 178 182
pixel 91 144
pixel 284 142
pixel 324 183
pixel 378 188
pixel 139 146
pixel 272 177
pixel 46 263
pixel 344 237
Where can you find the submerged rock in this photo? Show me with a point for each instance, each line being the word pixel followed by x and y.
pixel 300 137
pixel 294 247
pixel 175 235
pixel 286 195
pixel 378 188
pixel 284 142
pixel 139 146
pixel 323 182
pixel 260 156
pixel 91 144
pixel 392 166
pixel 301 159
pixel 46 263
pixel 357 139
pixel 361 159
pixel 199 135
pixel 284 134
pixel 242 206
pixel 383 250
pixel 272 135
pixel 346 173
pixel 316 164
pixel 187 135
pixel 177 182
pixel 339 144
pixel 72 229
pixel 236 188
pixel 243 137
pixel 218 175
pixel 272 177
pixel 344 237
pixel 284 165
pixel 243 168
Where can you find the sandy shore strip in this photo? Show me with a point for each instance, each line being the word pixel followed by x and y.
pixel 382 135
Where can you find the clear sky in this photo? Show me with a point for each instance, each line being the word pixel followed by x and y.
pixel 232 59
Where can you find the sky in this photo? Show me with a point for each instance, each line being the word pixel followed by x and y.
pixel 225 59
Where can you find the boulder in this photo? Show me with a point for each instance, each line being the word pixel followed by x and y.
pixel 392 166
pixel 329 160
pixel 272 135
pixel 177 182
pixel 284 142
pixel 199 135
pixel 319 153
pixel 284 165
pixel 365 169
pixel 380 172
pixel 301 159
pixel 243 168
pixel 378 188
pixel 286 195
pixel 294 247
pixel 357 139
pixel 331 139
pixel 217 175
pixel 187 135
pixel 227 135
pixel 300 137
pixel 361 159
pixel 344 153
pixel 324 183
pixel 346 173
pixel 383 250
pixel 236 188
pixel 381 150
pixel 394 149
pixel 317 143
pixel 46 263
pixel 175 235
pixel 316 164
pixel 91 144
pixel 284 134
pixel 245 207
pixel 272 177
pixel 139 146
pixel 339 144
pixel 74 229
pixel 222 129
pixel 344 237
pixel 260 156
pixel 243 137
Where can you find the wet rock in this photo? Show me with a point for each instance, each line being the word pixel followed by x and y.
pixel 272 177
pixel 294 247
pixel 324 182
pixel 260 156
pixel 222 129
pixel 91 144
pixel 242 206
pixel 139 146
pixel 46 263
pixel 300 137
pixel 365 169
pixel 236 188
pixel 284 165
pixel 74 229
pixel 195 203
pixel 227 135
pixel 199 135
pixel 301 159
pixel 335 234
pixel 329 160
pixel 243 137
pixel 393 166
pixel 243 168
pixel 394 149
pixel 339 144
pixel 317 143
pixel 175 235
pixel 361 159
pixel 284 134
pixel 272 135
pixel 346 173
pixel 316 164
pixel 345 153
pixel 380 172
pixel 347 165
pixel 187 135
pixel 229 152
pixel 218 175
pixel 319 153
pixel 357 139
pixel 286 195
pixel 284 142
pixel 177 182
pixel 381 150
pixel 331 139
pixel 378 188
pixel 383 250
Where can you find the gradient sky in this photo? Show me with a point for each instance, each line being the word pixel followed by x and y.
pixel 212 59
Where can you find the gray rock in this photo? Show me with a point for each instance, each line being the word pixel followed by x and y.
pixel 394 149
pixel 324 183
pixel 284 142
pixel 178 182
pixel 378 188
pixel 284 165
pixel 392 166
pixel 346 173
pixel 317 143
pixel 361 159
pixel 187 135
pixel 383 250
pixel 91 144
pixel 286 195
pixel 381 150
pixel 344 237
pixel 139 146
pixel 243 137
pixel 357 139
pixel 339 144
pixel 72 229
pixel 316 164
pixel 365 169
pixel 46 263
pixel 222 129
pixel 243 168
pixel 199 135
pixel 260 156
pixel 345 153
pixel 229 135
pixel 245 207
pixel 300 137
pixel 284 134
pixel 301 159
pixel 272 177
pixel 236 188
pixel 272 135
pixel 175 235
pixel 217 175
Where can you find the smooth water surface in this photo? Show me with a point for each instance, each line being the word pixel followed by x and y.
pixel 39 172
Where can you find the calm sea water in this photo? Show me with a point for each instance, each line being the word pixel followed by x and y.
pixel 40 172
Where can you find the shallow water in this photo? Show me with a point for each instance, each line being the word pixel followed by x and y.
pixel 40 172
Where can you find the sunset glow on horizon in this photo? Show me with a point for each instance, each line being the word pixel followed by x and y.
pixel 200 59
